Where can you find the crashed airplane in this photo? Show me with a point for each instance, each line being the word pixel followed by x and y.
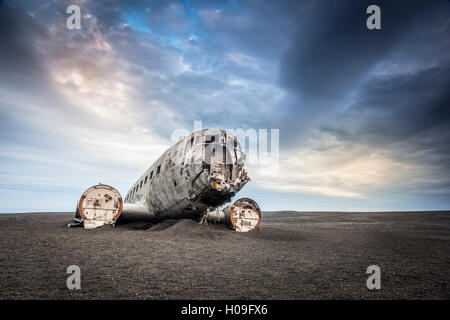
pixel 191 179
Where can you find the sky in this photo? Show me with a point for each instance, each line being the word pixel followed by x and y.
pixel 363 115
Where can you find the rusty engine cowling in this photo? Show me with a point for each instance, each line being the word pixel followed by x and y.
pixel 99 205
pixel 243 215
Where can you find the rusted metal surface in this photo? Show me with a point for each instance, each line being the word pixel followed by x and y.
pixel 192 178
pixel 99 205
pixel 243 215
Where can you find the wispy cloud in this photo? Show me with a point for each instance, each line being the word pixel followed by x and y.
pixel 361 115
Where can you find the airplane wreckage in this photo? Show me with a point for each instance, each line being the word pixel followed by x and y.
pixel 190 180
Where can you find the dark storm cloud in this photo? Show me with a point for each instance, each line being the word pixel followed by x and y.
pixel 259 28
pixel 19 56
pixel 399 106
pixel 385 89
pixel 23 72
pixel 300 66
pixel 334 56
pixel 408 114
pixel 404 94
pixel 334 48
pixel 411 110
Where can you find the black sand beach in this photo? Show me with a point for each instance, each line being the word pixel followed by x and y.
pixel 293 255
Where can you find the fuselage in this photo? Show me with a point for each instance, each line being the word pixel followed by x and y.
pixel 200 172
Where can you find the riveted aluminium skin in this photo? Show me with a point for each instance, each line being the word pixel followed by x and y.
pixel 183 182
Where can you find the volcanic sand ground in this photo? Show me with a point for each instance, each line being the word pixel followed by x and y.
pixel 293 255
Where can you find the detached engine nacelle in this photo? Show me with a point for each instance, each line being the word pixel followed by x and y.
pixel 242 215
pixel 98 205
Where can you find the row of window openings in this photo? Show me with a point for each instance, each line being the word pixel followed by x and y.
pixel 143 182
pixel 158 169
